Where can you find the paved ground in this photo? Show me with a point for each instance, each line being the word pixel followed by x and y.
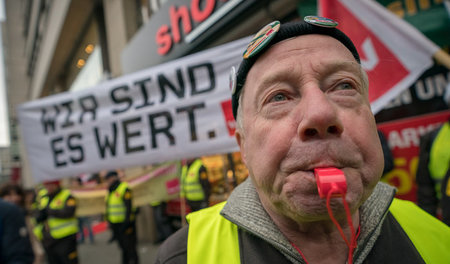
pixel 102 252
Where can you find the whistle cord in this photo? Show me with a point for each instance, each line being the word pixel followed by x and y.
pixel 301 254
pixel 352 244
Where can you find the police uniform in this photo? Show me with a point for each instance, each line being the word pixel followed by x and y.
pixel 60 226
pixel 195 185
pixel 121 218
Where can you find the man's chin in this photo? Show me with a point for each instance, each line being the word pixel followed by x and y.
pixel 300 210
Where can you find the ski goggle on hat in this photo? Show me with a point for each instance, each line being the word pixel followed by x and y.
pixel 275 32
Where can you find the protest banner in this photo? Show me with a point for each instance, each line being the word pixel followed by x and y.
pixel 403 137
pixel 176 110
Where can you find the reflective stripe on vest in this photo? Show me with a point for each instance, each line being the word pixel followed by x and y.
pixel 440 157
pixel 192 187
pixel 115 205
pixel 61 227
pixel 40 203
pixel 37 231
pixel 214 239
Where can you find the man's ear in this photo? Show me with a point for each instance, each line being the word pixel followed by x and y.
pixel 240 140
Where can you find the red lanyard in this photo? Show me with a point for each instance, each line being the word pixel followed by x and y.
pixel 354 236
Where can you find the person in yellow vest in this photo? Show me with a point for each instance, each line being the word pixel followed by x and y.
pixel 445 201
pixel 195 186
pixel 434 165
pixel 60 226
pixel 120 216
pixel 39 203
pixel 309 139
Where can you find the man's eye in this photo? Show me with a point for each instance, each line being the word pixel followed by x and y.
pixel 345 86
pixel 278 97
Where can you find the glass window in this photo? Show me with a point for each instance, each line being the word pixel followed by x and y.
pixel 85 69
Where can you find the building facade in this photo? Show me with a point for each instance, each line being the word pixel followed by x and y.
pixel 55 46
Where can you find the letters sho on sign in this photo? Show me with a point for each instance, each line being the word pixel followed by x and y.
pixel 173 111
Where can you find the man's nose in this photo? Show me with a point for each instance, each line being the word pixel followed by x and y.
pixel 320 117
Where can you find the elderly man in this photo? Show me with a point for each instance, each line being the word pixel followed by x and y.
pixel 300 98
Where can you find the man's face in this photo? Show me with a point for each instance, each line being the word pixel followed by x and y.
pixel 111 180
pixel 13 197
pixel 51 187
pixel 305 107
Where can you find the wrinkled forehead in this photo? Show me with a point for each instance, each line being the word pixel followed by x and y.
pixel 274 33
pixel 297 49
pixel 323 54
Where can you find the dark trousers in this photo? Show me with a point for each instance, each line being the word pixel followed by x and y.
pixel 63 251
pixel 163 226
pixel 82 223
pixel 127 239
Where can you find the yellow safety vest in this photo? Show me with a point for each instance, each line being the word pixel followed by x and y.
pixel 190 178
pixel 214 239
pixel 61 227
pixel 440 157
pixel 39 204
pixel 115 205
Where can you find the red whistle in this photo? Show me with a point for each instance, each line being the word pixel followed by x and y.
pixel 330 179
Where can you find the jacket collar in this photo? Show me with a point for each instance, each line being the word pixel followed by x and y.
pixel 245 210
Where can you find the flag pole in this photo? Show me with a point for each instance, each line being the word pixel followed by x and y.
pixel 442 57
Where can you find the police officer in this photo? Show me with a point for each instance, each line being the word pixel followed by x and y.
pixel 120 215
pixel 60 226
pixel 195 184
pixel 434 162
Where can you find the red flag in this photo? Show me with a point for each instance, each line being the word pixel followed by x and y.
pixel 393 52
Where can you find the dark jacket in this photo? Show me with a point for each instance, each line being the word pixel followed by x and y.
pixel 254 250
pixel 382 239
pixel 15 246
pixel 427 197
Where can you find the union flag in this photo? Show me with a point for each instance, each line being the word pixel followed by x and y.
pixel 393 52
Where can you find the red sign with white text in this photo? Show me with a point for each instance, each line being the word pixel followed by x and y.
pixel 404 138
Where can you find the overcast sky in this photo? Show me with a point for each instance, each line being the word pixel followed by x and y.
pixel 4 124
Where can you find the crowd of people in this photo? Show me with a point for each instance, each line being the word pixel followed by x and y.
pixel 310 142
pixel 44 227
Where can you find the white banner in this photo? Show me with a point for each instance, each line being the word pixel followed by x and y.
pixel 173 111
